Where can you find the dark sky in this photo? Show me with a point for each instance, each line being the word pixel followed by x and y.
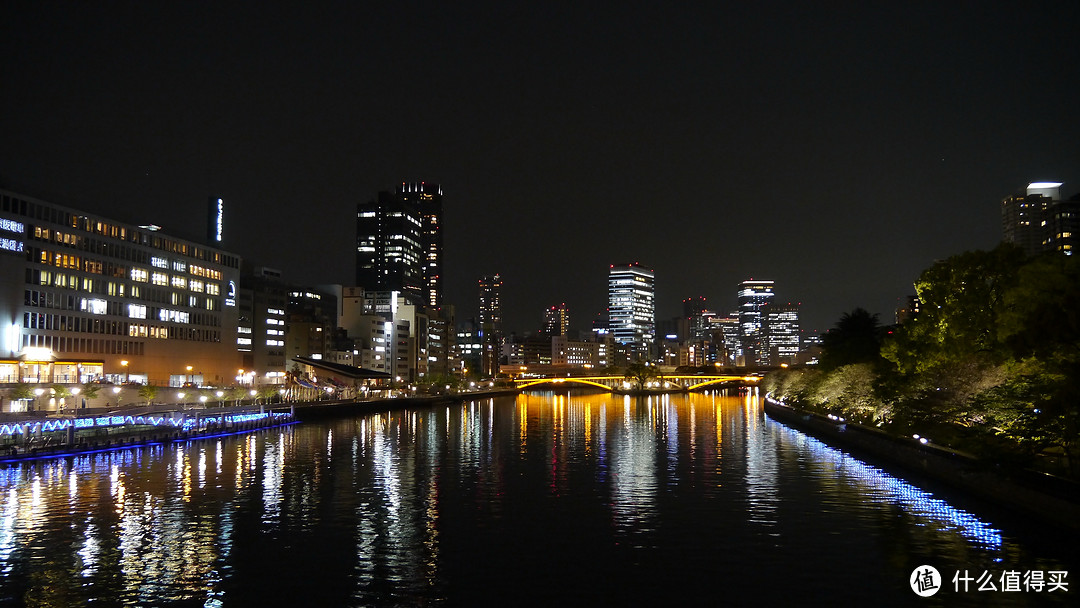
pixel 836 148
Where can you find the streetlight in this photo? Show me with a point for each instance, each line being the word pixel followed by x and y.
pixel 37 393
pixel 124 364
pixel 116 391
pixel 188 381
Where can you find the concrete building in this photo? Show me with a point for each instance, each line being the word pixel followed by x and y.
pixel 263 298
pixel 86 298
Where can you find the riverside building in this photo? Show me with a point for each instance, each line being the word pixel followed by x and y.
pixel 631 308
pixel 84 298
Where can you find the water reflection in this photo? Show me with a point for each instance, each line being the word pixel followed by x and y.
pixel 448 503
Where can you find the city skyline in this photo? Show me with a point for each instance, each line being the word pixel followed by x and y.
pixel 839 159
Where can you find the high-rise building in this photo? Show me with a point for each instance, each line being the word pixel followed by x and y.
pixel 399 243
pixel 428 200
pixel 782 332
pixel 631 308
pixel 753 295
pixel 1038 220
pixel 556 320
pixel 490 323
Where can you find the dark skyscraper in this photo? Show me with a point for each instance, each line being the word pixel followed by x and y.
pixel 399 243
pixel 428 200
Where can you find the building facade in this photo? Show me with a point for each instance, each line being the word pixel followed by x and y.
pixel 753 295
pixel 399 243
pixel 261 327
pixel 783 332
pixel 556 320
pixel 490 330
pixel 86 298
pixel 1037 220
pixel 632 308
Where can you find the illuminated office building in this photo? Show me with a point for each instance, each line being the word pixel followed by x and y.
pixel 556 320
pixel 753 295
pixel 631 308
pixel 85 298
pixel 399 243
pixel 782 332
pixel 1037 220
pixel 427 198
pixel 490 323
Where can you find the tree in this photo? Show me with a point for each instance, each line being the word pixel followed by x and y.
pixel 22 392
pixel 90 391
pixel 266 392
pixel 856 338
pixel 849 390
pixel 235 393
pixel 961 299
pixel 1040 324
pixel 148 392
pixel 640 373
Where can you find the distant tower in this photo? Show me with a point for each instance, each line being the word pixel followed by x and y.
pixel 752 296
pixel 557 320
pixel 631 307
pixel 695 315
pixel 429 202
pixel 490 323
pixel 399 243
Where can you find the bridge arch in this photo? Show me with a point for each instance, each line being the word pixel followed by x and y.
pixel 586 381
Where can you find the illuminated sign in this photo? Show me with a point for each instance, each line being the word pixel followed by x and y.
pixel 220 215
pixel 230 299
pixel 10 244
pixel 215 213
pixel 12 226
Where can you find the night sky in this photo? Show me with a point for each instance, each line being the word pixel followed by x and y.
pixel 836 148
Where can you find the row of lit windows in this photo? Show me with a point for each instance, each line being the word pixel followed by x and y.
pixel 123 234
pixel 100 306
pixel 67 344
pixel 112 288
pixel 75 324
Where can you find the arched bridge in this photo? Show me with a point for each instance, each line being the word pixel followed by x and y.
pixel 622 383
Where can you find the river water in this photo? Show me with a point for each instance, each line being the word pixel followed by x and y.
pixel 543 498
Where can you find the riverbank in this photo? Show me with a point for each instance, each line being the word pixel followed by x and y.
pixel 1051 499
pixel 37 438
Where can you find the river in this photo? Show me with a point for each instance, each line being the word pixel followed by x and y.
pixel 543 498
